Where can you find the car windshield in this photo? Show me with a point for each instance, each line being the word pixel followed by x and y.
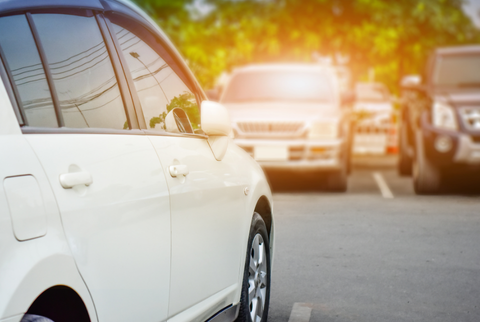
pixel 457 70
pixel 371 94
pixel 279 86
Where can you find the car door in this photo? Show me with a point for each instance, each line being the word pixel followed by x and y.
pixel 106 177
pixel 208 203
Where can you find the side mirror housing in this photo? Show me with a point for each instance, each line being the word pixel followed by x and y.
pixel 215 119
pixel 216 124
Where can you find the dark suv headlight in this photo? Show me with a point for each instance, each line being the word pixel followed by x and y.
pixel 443 116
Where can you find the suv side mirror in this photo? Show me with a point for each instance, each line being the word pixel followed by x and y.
pixel 216 124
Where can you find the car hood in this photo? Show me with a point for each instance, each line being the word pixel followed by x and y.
pixel 460 97
pixel 281 111
pixel 373 106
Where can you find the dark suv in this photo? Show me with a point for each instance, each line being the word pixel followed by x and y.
pixel 440 129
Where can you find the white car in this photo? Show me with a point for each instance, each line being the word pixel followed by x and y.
pixel 120 199
pixel 292 117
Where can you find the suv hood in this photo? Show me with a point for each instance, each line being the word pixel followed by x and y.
pixel 460 97
pixel 282 111
pixel 374 107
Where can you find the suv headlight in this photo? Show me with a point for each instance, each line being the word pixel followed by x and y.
pixel 323 130
pixel 443 116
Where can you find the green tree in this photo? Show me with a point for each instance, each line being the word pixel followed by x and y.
pixel 393 37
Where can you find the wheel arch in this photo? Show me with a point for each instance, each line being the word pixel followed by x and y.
pixel 60 303
pixel 264 209
pixel 41 281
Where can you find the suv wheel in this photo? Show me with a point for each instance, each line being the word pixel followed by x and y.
pixel 337 180
pixel 404 160
pixel 255 296
pixel 426 176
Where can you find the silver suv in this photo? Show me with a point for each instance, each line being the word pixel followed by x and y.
pixel 290 117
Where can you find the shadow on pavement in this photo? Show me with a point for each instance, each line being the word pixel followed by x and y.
pixel 462 184
pixel 283 181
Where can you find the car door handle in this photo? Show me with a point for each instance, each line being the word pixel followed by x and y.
pixel 68 180
pixel 178 170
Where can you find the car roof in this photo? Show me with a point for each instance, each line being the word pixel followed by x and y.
pixel 7 6
pixel 125 7
pixel 298 67
pixel 454 50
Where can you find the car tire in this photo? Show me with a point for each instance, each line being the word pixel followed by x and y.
pixel 405 162
pixel 337 181
pixel 426 176
pixel 256 275
pixel 34 318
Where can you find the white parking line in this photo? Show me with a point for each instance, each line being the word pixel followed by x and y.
pixel 300 313
pixel 382 185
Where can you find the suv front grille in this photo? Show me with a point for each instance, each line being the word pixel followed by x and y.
pixel 269 127
pixel 471 117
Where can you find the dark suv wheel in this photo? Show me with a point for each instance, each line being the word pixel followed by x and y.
pixel 404 160
pixel 426 175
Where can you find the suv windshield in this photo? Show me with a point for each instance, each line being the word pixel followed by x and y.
pixel 457 70
pixel 279 86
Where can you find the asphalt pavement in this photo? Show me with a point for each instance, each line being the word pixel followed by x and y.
pixel 369 255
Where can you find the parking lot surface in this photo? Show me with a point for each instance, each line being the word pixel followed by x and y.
pixel 369 256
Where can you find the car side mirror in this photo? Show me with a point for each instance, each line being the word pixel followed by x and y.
pixel 216 124
pixel 347 98
pixel 177 121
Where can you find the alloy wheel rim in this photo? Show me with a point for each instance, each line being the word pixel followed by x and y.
pixel 257 278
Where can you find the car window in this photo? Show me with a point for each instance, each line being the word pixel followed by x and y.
pixel 158 87
pixel 23 61
pixel 82 72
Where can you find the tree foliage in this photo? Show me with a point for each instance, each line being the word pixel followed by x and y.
pixel 393 37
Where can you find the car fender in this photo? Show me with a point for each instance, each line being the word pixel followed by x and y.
pixel 32 279
pixel 258 187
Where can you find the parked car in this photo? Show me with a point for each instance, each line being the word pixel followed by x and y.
pixel 292 117
pixel 440 129
pixel 375 128
pixel 121 199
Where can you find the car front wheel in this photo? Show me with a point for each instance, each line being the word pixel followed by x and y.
pixel 337 181
pixel 426 176
pixel 255 296
pixel 404 160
